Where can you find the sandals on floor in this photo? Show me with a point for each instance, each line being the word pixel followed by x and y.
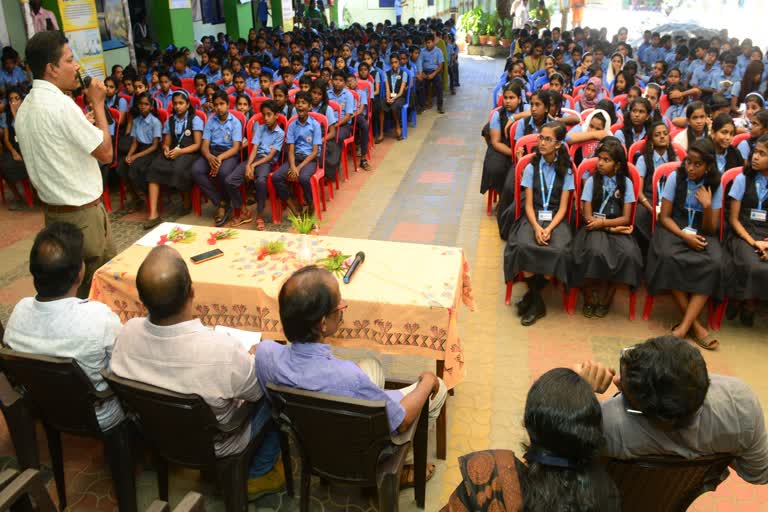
pixel 260 225
pixel 407 477
pixel 708 342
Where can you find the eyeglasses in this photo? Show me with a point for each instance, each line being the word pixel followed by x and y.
pixel 546 140
pixel 340 308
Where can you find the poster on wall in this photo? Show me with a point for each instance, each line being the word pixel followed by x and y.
pixel 115 19
pixel 180 4
pixel 81 26
pixel 287 16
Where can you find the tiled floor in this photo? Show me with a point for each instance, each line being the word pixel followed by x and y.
pixel 425 189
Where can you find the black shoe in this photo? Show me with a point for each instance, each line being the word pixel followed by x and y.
pixel 588 310
pixel 225 218
pixel 152 223
pixel 440 110
pixel 732 309
pixel 524 304
pixel 536 311
pixel 601 310
pixel 747 317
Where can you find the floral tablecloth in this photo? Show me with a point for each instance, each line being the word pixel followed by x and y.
pixel 404 299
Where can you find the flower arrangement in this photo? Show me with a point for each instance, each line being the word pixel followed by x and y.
pixel 178 235
pixel 303 224
pixel 222 234
pixel 273 247
pixel 335 262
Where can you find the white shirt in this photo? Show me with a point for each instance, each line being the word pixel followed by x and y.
pixel 79 329
pixel 191 358
pixel 57 140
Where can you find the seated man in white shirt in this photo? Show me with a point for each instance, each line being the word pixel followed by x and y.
pixel 171 349
pixel 57 323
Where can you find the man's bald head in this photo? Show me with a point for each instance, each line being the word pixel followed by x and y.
pixel 164 283
pixel 310 294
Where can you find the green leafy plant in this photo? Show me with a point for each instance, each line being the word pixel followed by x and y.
pixel 334 262
pixel 303 224
pixel 483 25
pixel 506 29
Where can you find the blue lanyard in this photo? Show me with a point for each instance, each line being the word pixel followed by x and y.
pixel 180 134
pixel 393 80
pixel 691 211
pixel 760 197
pixel 606 197
pixel 546 195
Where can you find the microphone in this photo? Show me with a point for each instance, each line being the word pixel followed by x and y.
pixel 85 81
pixel 359 259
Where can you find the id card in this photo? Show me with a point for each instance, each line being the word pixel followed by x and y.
pixel 691 231
pixel 545 215
pixel 393 94
pixel 658 210
pixel 757 215
pixel 598 215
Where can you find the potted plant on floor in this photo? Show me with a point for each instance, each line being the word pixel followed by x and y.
pixel 506 33
pixel 493 21
pixel 483 28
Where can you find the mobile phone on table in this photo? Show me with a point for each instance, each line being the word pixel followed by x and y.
pixel 206 256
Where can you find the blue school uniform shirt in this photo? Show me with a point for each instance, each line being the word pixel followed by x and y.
pixel 739 186
pixel 430 59
pixel 267 140
pixel 690 200
pixel 658 159
pixel 345 99
pixel 635 137
pixel 213 77
pixel 117 102
pixel 329 113
pixel 146 129
pixel 164 98
pixel 13 79
pixel 520 132
pixel 181 127
pixel 223 133
pixel 548 170
pixel 110 127
pixel 609 187
pixel 418 65
pixel 675 111
pixel 693 66
pixel 253 84
pixel 744 148
pixel 495 123
pixel 703 77
pixel 729 92
pixel 187 73
pixel 304 136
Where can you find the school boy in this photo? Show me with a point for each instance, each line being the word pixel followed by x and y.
pixel 432 62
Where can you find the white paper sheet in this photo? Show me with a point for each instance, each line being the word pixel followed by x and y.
pixel 246 338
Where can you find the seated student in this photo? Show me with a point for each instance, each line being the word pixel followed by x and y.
pixel 624 81
pixel 561 405
pixel 297 66
pixel 361 120
pixel 636 124
pixel 113 99
pixel 752 105
pixel 432 62
pixel 453 62
pixel 207 105
pixel 604 254
pixel 395 89
pixel 697 116
pixel 227 78
pixel 497 163
pixel 683 410
pixel 539 110
pixel 280 94
pixel 253 79
pixel 180 68
pixel 214 68
pixel 145 139
pixel 595 128
pixel 746 255
pixel 172 349
pixel 757 129
pixel 56 323
pixel 266 85
pixel 305 83
pixel 243 105
pixel 590 95
pixel 726 156
pixel 685 256
pixel 288 78
pixel 311 310
pixel 12 167
pixel 658 151
pixel 12 75
pixel 239 87
pixel 182 135
pixel 319 98
pixel 538 243
pixel 219 156
pixel 127 84
pixel 677 103
pixel 201 82
pixel 305 141
pixel 750 82
pixel 165 94
pixel 556 109
pixel 313 69
pixel 267 143
pixel 339 93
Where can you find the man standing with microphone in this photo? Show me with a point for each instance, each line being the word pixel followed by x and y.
pixel 62 148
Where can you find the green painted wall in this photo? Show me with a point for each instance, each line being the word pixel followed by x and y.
pixel 239 18
pixel 14 20
pixel 277 13
pixel 161 22
pixel 172 26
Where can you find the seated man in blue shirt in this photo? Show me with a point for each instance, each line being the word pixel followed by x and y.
pixel 311 310
pixel 432 62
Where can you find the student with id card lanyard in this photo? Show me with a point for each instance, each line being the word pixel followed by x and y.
pixel 539 242
pixel 746 255
pixel 685 256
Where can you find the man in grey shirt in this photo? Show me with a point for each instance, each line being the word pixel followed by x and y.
pixel 669 404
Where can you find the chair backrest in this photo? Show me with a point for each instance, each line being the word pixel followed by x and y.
pixel 512 132
pixel 232 102
pixel 527 142
pixel 127 97
pixel 364 84
pixel 259 118
pixel 591 145
pixel 188 84
pixel 738 139
pixel 519 168
pixel 201 115
pixel 28 486
pixel 569 112
pixel 584 113
pixel 666 483
pixel 490 116
pixel 339 438
pixel 162 115
pixel 570 99
pixel 620 100
pixel 181 427
pixel 664 170
pixel 56 387
pixel 618 125
pixel 725 180
pixel 256 102
pixel 336 108
pixel 664 103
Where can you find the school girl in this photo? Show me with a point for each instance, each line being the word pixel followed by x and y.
pixel 219 155
pixel 395 88
pixel 758 128
pixel 697 115
pixel 624 81
pixel 243 105
pixel 594 129
pixel 182 138
pixel 685 256
pixel 12 166
pixel 604 254
pixel 753 103
pixel 746 247
pixel 320 104
pixel 636 125
pixel 726 156
pixel 590 95
pixel 113 99
pixel 146 131
pixel 498 155
pixel 280 95
pixel 539 116
pixel 538 244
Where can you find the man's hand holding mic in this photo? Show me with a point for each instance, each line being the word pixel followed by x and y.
pixel 96 91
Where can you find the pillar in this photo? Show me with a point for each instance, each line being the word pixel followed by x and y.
pixel 172 26
pixel 239 18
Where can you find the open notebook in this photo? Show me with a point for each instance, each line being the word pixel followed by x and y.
pixel 246 338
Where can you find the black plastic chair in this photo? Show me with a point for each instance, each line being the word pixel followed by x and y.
pixel 21 425
pixel 61 395
pixel 20 491
pixel 666 483
pixel 192 502
pixel 182 429
pixel 350 441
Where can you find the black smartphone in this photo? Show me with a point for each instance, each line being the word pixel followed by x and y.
pixel 206 256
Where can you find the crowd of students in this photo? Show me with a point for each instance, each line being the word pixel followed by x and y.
pixel 183 114
pixel 609 119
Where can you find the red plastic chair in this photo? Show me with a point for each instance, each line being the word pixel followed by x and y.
pixel 618 125
pixel 162 115
pixel 620 100
pixel 128 99
pixel 202 116
pixel 585 113
pixel 590 165
pixel 570 112
pixel 573 148
pixel 527 142
pixel 188 84
pixel 738 139
pixel 512 132
pixel 317 178
pixel 674 130
pixel 80 101
pixel 256 102
pixel 349 142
